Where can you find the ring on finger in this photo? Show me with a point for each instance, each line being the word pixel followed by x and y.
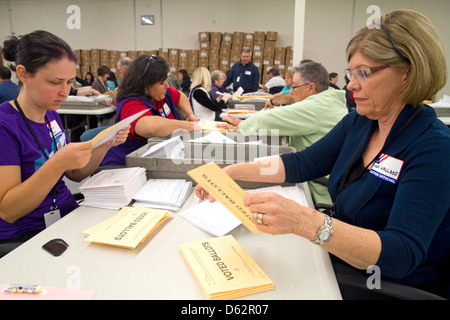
pixel 259 218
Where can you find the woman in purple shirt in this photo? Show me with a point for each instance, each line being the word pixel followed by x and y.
pixel 36 152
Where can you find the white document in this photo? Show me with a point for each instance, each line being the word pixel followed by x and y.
pixel 239 92
pixel 172 148
pixel 214 137
pixel 217 220
pixel 169 194
pixel 113 188
pixel 109 133
pixel 211 217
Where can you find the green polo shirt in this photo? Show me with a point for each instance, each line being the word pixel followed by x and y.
pixel 305 122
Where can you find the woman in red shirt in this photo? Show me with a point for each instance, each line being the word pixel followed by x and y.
pixel 145 87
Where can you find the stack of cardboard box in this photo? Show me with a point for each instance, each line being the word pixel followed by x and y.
pixel 217 51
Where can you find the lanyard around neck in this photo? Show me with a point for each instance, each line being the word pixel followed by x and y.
pixel 39 144
pixel 387 143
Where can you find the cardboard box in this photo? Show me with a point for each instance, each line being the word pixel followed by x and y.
pixel 203 54
pixel 203 36
pixel 193 56
pixel 258 45
pixel 259 36
pixel 203 62
pixel 164 53
pixel 132 54
pixel 204 45
pixel 227 37
pixel 269 52
pixel 272 35
pixel 238 37
pixel 216 37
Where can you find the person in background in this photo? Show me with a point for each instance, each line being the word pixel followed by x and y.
pixel 37 154
pixel 112 82
pixel 100 83
pixel 217 79
pixel 183 76
pixel 276 82
pixel 8 89
pixel 388 161
pixel 317 108
pixel 334 78
pixel 145 87
pixel 88 79
pixel 173 81
pixel 122 65
pixel 243 74
pixel 351 105
pixel 205 108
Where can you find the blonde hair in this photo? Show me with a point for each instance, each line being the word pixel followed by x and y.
pixel 417 45
pixel 201 77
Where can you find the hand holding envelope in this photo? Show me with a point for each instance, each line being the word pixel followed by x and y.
pixel 114 133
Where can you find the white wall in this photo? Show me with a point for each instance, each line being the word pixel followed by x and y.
pixel 330 23
pixel 115 24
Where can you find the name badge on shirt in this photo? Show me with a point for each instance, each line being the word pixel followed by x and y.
pixel 58 133
pixel 51 217
pixel 387 168
pixel 166 110
pixel 248 73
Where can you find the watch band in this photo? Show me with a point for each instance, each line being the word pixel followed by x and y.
pixel 325 232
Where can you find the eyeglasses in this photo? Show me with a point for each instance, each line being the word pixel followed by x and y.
pixel 303 85
pixel 363 74
pixel 150 60
pixel 393 43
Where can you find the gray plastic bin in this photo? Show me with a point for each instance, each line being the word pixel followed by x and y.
pixel 197 154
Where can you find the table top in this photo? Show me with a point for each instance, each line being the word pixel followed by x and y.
pixel 156 269
pixel 95 110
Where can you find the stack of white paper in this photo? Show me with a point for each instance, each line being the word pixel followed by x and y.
pixel 169 194
pixel 112 189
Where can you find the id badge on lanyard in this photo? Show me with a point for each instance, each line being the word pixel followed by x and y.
pixel 54 214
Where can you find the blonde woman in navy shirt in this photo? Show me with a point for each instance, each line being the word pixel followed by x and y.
pixel 388 163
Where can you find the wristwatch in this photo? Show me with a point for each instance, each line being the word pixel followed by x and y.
pixel 325 232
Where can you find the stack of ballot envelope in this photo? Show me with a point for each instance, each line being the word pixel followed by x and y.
pixel 169 194
pixel 114 188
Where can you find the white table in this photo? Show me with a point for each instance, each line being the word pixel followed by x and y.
pixel 156 269
pixel 445 120
pixel 95 110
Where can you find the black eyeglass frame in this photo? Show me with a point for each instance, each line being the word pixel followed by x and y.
pixel 303 85
pixel 150 60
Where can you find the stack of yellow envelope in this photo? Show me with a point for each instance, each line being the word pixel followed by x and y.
pixel 223 269
pixel 129 227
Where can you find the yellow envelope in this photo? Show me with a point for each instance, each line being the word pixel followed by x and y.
pixel 129 227
pixel 223 269
pixel 225 190
pixel 209 125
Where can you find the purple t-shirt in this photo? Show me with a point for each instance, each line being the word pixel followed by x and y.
pixel 20 149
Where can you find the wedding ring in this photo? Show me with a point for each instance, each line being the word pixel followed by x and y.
pixel 259 218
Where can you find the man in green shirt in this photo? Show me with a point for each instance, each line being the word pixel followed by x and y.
pixel 316 110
